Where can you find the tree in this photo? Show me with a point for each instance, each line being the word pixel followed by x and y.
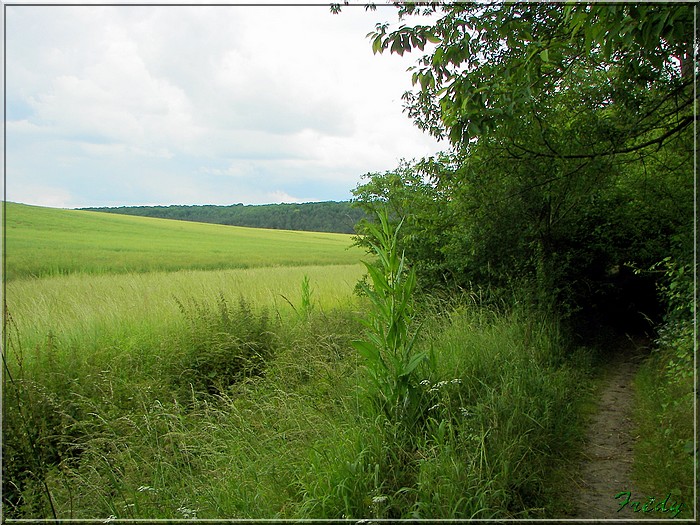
pixel 572 146
pixel 495 61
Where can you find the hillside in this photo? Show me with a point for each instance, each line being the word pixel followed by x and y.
pixel 47 241
pixel 332 217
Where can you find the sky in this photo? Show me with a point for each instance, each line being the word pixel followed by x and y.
pixel 157 105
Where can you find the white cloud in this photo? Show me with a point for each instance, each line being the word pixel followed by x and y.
pixel 280 196
pixel 166 103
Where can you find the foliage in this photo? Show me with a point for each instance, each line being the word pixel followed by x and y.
pixel 665 453
pixel 406 196
pixel 225 345
pixel 490 63
pixel 572 149
pixel 388 347
pixel 98 422
pixel 502 416
pixel 562 235
pixel 571 128
pixel 666 384
pixel 331 217
pixel 306 305
pixel 120 434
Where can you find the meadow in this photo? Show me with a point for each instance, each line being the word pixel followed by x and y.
pixel 45 241
pixel 241 393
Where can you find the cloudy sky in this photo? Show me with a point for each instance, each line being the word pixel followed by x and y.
pixel 129 105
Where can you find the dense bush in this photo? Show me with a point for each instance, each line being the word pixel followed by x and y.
pixel 567 238
pixel 503 415
pixel 224 345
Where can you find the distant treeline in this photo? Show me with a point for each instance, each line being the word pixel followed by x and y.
pixel 334 217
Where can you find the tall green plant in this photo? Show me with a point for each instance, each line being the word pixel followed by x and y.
pixel 306 307
pixel 388 344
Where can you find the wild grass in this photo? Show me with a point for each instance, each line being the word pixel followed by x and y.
pixel 103 311
pixel 45 242
pixel 239 394
pixel 128 433
pixel 664 408
pixel 666 453
pixel 135 435
pixel 502 422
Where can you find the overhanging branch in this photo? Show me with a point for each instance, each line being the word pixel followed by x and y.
pixel 658 141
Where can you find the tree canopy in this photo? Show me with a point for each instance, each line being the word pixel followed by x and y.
pixel 570 130
pixel 491 63
pixel 334 217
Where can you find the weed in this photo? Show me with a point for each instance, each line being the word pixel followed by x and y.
pixel 225 345
pixel 388 348
pixel 307 305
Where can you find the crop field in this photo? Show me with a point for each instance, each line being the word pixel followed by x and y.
pixel 86 307
pixel 45 241
pixel 205 371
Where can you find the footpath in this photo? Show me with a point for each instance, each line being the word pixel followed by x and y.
pixel 606 468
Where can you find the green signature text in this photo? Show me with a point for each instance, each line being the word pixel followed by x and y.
pixel 651 505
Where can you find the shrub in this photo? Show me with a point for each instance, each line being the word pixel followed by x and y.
pixel 223 345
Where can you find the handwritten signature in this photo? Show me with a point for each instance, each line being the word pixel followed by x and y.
pixel 652 505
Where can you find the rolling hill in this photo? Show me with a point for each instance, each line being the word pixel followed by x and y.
pixel 48 241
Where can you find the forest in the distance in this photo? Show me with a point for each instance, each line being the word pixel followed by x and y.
pixel 332 217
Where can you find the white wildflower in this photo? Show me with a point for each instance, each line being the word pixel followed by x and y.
pixel 187 513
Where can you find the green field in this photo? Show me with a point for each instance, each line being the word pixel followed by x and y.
pixel 81 276
pixel 140 386
pixel 46 241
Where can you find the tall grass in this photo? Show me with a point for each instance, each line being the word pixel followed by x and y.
pixel 666 452
pixel 127 423
pixel 502 422
pixel 204 395
pixel 129 434
pixel 468 421
pixel 91 314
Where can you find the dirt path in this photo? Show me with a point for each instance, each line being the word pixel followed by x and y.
pixel 607 465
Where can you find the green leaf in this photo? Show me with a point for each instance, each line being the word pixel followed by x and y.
pixel 689 447
pixel 412 364
pixel 367 350
pixel 377 46
pixel 432 38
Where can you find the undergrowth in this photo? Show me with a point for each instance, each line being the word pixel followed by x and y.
pixel 665 454
pixel 239 413
pixel 468 420
pixel 501 424
pixel 223 345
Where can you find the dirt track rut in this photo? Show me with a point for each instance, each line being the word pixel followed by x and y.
pixel 606 468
